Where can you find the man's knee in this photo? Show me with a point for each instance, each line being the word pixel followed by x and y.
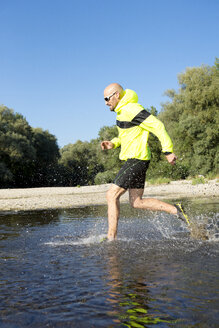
pixel 135 203
pixel 135 197
pixel 113 194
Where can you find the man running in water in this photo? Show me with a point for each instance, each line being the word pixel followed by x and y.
pixel 134 124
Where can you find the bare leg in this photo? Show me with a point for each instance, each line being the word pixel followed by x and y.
pixel 113 196
pixel 153 204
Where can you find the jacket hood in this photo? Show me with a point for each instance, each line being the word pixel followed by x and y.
pixel 128 96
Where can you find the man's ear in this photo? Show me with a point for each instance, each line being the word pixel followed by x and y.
pixel 117 95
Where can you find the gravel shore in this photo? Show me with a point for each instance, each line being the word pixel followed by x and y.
pixel 69 197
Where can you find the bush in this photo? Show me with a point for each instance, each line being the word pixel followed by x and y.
pixel 212 176
pixel 158 181
pixel 198 180
pixel 104 177
pixel 165 170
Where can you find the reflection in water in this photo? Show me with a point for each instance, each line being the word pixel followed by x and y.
pixel 130 299
pixel 11 224
pixel 29 218
pixel 54 272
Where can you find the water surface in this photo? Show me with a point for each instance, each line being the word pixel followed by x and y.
pixel 56 273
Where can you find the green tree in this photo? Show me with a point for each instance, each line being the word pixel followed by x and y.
pixel 109 159
pixel 192 119
pixel 6 177
pixel 87 163
pixel 159 167
pixel 46 169
pixel 28 156
pixel 17 153
pixel 81 161
pixel 217 63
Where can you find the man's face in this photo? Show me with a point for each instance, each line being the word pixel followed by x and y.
pixel 111 99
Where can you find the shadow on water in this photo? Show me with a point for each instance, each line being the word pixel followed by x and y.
pixel 11 223
pixel 54 272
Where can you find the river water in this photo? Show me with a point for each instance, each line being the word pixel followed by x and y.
pixel 54 271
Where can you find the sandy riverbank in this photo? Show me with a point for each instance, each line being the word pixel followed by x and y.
pixel 67 197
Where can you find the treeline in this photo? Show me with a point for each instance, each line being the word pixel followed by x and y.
pixel 30 157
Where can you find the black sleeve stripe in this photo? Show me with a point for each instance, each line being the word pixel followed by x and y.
pixel 137 120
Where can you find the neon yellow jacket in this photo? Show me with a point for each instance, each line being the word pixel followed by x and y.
pixel 134 124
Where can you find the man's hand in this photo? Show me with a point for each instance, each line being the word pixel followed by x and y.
pixel 171 158
pixel 107 145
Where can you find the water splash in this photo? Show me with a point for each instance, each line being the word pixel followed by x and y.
pixel 212 228
pixel 79 242
pixel 204 227
pixel 155 227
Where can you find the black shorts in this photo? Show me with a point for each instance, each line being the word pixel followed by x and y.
pixel 132 175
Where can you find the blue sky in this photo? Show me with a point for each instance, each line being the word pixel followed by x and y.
pixel 56 56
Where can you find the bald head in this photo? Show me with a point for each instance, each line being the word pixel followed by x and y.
pixel 111 88
pixel 112 95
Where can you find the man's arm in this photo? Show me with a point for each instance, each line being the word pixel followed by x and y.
pixel 106 145
pixel 171 158
pixel 152 124
pixel 116 142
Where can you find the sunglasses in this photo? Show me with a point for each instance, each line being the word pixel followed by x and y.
pixel 108 98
